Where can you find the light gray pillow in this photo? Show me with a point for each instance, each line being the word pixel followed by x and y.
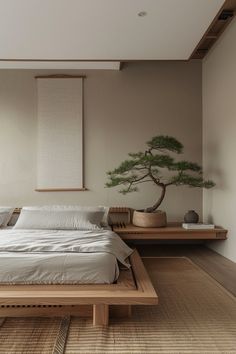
pixel 59 207
pixel 59 220
pixel 2 218
pixel 5 213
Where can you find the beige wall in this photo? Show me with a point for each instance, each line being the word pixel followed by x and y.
pixel 122 111
pixel 219 136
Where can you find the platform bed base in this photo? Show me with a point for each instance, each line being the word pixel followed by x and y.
pixel 133 287
pixel 99 313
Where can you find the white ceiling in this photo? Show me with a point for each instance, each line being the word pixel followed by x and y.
pixel 103 29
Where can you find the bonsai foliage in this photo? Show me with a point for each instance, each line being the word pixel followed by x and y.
pixel 151 165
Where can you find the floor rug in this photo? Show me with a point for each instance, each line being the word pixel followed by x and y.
pixel 33 335
pixel 195 315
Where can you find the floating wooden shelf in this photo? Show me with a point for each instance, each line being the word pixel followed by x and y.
pixel 173 231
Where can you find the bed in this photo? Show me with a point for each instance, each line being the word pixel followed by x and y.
pixel 79 272
pixel 61 256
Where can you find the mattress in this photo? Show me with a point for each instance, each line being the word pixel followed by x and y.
pixel 61 256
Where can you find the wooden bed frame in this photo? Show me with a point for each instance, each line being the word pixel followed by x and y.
pixel 133 287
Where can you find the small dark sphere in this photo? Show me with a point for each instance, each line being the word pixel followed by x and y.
pixel 191 217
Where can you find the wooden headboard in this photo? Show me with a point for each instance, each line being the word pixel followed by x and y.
pixel 120 216
pixel 17 210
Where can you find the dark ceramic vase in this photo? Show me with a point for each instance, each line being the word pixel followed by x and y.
pixel 191 217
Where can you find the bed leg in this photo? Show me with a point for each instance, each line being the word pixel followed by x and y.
pixel 100 315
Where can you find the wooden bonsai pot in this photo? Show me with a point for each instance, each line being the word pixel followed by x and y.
pixel 155 219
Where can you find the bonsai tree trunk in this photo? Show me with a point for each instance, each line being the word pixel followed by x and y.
pixel 158 203
pixel 148 217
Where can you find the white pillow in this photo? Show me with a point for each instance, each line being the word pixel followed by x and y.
pixel 105 209
pixel 5 215
pixel 59 219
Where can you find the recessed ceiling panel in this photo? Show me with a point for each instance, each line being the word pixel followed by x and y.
pixel 78 65
pixel 103 29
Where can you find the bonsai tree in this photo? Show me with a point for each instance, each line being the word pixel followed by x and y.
pixel 151 165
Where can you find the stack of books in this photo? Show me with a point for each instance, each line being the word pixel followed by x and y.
pixel 197 226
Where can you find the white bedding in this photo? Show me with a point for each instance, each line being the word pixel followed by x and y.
pixel 60 256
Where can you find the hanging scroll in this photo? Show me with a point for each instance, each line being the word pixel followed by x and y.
pixel 60 133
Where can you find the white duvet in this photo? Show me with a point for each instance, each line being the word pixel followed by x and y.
pixel 60 256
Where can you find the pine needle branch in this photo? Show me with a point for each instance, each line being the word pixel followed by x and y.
pixel 149 166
